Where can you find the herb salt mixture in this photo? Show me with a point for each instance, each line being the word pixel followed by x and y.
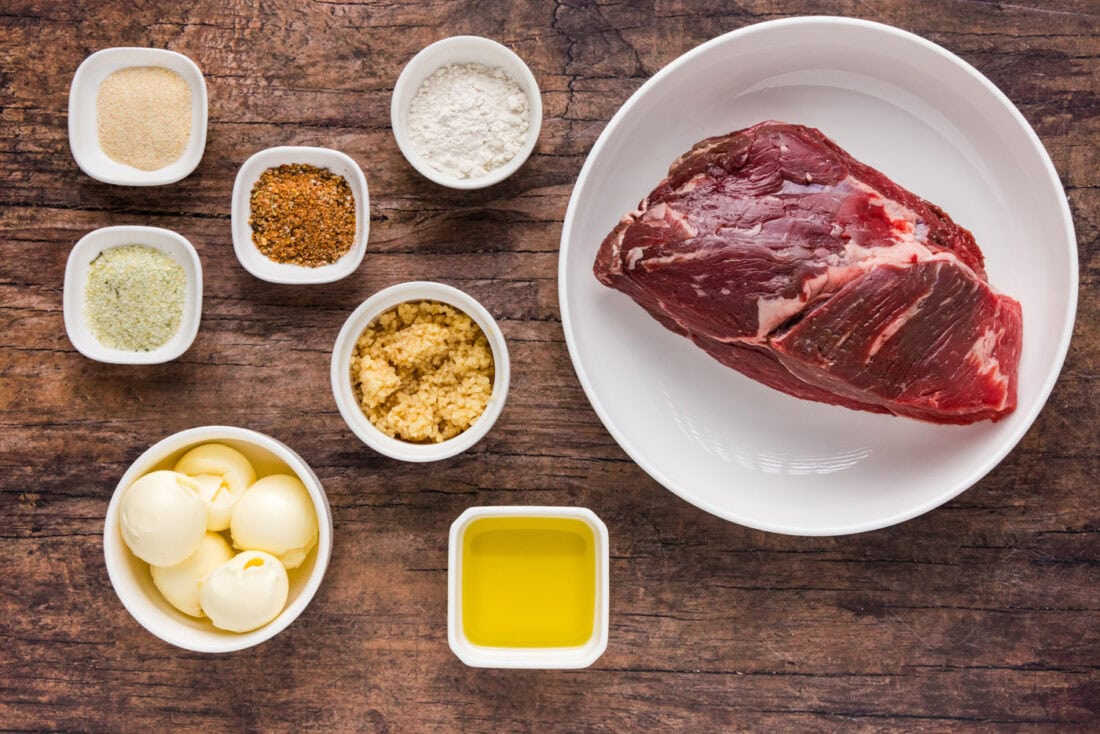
pixel 133 298
pixel 143 116
pixel 302 215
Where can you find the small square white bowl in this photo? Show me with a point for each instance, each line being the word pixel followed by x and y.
pixel 267 269
pixel 84 137
pixel 462 50
pixel 481 656
pixel 76 276
pixel 364 316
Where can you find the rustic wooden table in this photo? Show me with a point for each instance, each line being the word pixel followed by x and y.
pixel 984 611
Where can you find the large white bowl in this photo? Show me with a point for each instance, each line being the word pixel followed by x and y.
pixel 131 578
pixel 925 118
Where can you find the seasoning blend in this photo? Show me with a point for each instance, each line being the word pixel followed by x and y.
pixel 302 215
pixel 134 298
pixel 143 116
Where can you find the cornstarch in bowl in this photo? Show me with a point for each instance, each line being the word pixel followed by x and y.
pixel 468 119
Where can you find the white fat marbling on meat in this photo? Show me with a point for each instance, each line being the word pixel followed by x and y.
pixel 664 216
pixel 652 263
pixel 698 151
pixel 657 212
pixel 852 262
pixel 624 224
pixel 691 184
pixel 895 326
pixel 981 356
pixel 749 232
pixel 771 312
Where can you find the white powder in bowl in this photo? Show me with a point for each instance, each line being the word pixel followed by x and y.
pixel 467 119
pixel 143 116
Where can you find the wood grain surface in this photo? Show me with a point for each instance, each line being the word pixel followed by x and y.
pixel 981 614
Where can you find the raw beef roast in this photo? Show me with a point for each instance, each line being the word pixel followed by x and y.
pixel 787 259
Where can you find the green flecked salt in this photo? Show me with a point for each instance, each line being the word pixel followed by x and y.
pixel 133 298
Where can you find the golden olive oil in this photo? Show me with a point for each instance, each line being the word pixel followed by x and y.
pixel 528 582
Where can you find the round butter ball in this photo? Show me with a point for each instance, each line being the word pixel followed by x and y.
pixel 222 475
pixel 276 515
pixel 246 592
pixel 162 519
pixel 180 584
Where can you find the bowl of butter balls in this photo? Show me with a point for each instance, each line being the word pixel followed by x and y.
pixel 216 538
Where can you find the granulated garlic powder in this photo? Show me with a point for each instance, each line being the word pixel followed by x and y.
pixel 143 116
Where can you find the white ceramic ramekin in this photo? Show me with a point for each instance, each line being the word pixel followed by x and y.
pixel 130 575
pixel 259 264
pixel 462 50
pixel 481 656
pixel 88 248
pixel 84 137
pixel 344 392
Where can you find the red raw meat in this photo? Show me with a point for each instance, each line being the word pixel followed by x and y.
pixel 788 260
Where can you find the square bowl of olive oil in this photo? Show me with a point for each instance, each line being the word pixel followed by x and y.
pixel 528 587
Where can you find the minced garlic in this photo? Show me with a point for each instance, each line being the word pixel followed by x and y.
pixel 422 372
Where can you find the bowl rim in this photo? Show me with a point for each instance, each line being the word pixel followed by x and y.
pixel 241 209
pixel 114 547
pixel 480 656
pixel 1044 390
pixel 364 315
pixel 399 118
pixel 192 155
pixel 72 305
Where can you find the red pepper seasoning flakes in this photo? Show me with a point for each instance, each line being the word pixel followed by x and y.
pixel 302 215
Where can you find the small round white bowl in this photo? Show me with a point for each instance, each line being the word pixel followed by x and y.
pixel 130 575
pixel 462 50
pixel 259 264
pixel 344 393
pixel 482 656
pixel 84 138
pixel 88 248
